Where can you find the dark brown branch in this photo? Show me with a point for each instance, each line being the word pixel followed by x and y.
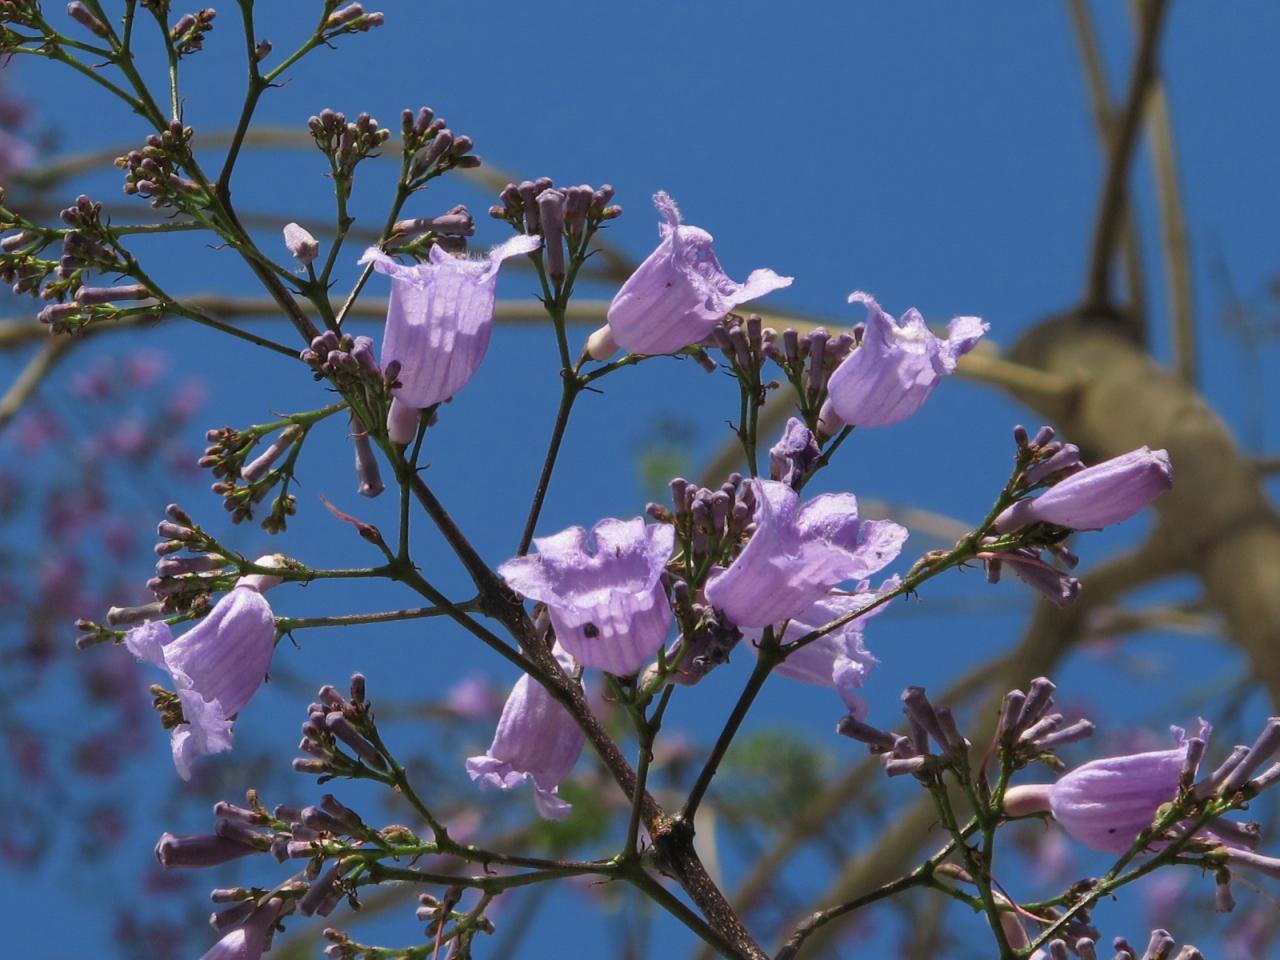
pixel 1112 203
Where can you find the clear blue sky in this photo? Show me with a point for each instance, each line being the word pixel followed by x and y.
pixel 939 156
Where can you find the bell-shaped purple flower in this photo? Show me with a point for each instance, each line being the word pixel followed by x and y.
pixel 798 553
pixel 892 373
pixel 537 739
pixel 216 666
pixel 438 322
pixel 607 603
pixel 838 660
pixel 680 291
pixel 1097 496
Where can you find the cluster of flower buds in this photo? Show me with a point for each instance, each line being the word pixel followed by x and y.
pixel 242 483
pixel 1028 731
pixel 742 342
pixel 709 523
pixel 563 217
pixel 1161 946
pixel 188 33
pixel 334 722
pixel 25 13
pixel 435 148
pixel 152 172
pixel 181 582
pixel 808 361
pixel 346 144
pixel 351 19
pixel 910 753
pixel 449 232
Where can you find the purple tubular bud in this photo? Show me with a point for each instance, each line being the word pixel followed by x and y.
pixel 318 892
pixel 307 765
pixel 1058 950
pixel 1189 953
pixel 342 728
pixel 127 616
pixel 600 199
pixel 1067 458
pixel 551 216
pixel 1069 734
pixel 57 312
pixel 529 200
pixel 577 204
pixel 1160 946
pixel 179 566
pixel 262 50
pixel 285 812
pixel 301 831
pixel 229 811
pixel 317 819
pixel 81 15
pixel 329 694
pixel 95 295
pixel 173 531
pixel 921 714
pixel 202 850
pixel 1247 834
pixel 257 469
pixel 234 830
pixel 1007 728
pixel 1043 436
pixel 953 740
pixel 1042 727
pixel 1266 778
pixel 367 471
pixel 1258 754
pixel 357 688
pixel 16 240
pixel 880 741
pixel 897 767
pixel 298 849
pixel 229 894
pixel 1210 785
pixel 1039 698
pixel 1085 949
pixel 1191 762
pixel 344 16
pixel 348 818
pixel 434 150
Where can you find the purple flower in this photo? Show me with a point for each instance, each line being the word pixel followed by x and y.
pixel 438 322
pixel 794 454
pixel 216 666
pixel 536 739
pixel 680 291
pixel 607 603
pixel 1106 803
pixel 892 373
pixel 798 553
pixel 1097 496
pixel 838 660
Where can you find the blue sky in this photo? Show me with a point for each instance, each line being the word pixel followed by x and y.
pixel 938 156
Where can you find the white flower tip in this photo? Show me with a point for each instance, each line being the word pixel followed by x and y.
pixel 601 345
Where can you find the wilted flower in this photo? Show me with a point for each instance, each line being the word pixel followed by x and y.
pixel 216 666
pixel 797 553
pixel 678 294
pixel 794 454
pixel 892 373
pixel 438 323
pixel 1097 496
pixel 536 739
pixel 607 603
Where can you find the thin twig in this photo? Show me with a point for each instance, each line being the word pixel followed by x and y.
pixel 25 384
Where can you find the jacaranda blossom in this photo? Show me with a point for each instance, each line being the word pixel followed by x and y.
pixel 892 373
pixel 438 322
pixel 837 660
pixel 1097 496
pixel 249 941
pixel 798 553
pixel 216 666
pixel 796 451
pixel 1106 803
pixel 537 739
pixel 680 291
pixel 607 603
